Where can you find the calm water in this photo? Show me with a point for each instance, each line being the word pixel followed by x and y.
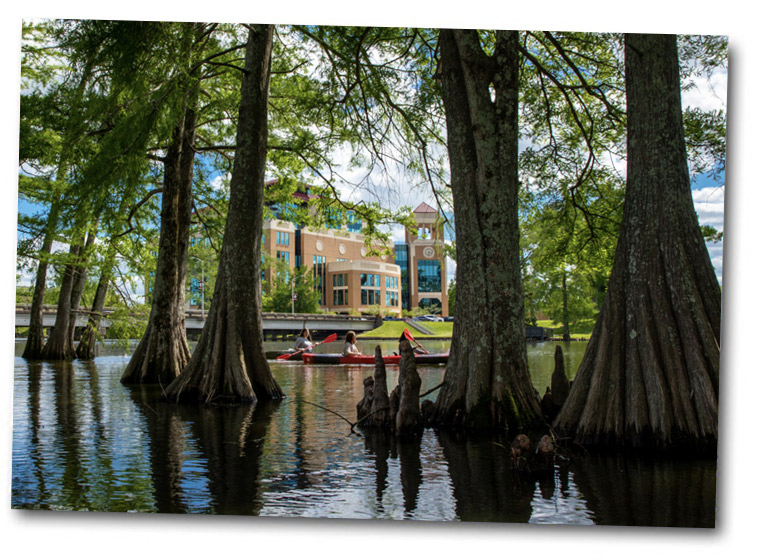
pixel 82 441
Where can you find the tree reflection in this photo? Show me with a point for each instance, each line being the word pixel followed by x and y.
pixel 484 485
pixel 378 444
pixel 231 438
pixel 382 446
pixel 69 436
pixel 36 453
pixel 411 471
pixel 165 432
pixel 632 491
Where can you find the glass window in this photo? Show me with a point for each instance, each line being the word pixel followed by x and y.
pixel 429 276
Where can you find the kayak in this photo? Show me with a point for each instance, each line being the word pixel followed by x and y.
pixel 421 359
pixel 431 359
pixel 294 355
pixel 347 360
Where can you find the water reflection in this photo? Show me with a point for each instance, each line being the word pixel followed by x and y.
pixel 485 487
pixel 83 441
pixel 631 491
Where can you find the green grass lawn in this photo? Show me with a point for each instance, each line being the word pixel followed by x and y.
pixel 394 329
pixel 580 330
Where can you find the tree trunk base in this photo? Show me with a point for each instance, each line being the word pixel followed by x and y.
pixel 159 358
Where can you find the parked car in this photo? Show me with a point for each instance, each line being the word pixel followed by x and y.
pixel 449 319
pixel 432 318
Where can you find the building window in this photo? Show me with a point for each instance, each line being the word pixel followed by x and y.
pixel 284 256
pixel 403 260
pixel 370 297
pixel 429 276
pixel 434 304
pixel 283 238
pixel 340 297
pixel 392 298
pixel 319 274
pixel 339 280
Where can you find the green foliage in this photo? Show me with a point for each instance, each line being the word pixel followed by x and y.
pixel 300 281
pixel 711 234
pixel 128 323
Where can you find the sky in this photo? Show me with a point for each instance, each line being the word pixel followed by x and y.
pixel 741 455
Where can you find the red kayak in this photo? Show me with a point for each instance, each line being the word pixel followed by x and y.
pixel 431 359
pixel 347 360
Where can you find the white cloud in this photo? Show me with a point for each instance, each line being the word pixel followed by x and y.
pixel 707 94
pixel 220 182
pixel 709 204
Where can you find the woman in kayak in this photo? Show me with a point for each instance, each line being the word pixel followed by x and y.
pixel 304 342
pixel 350 348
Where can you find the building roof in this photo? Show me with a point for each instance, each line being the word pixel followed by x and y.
pixel 424 209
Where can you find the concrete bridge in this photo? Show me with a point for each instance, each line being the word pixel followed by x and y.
pixel 275 325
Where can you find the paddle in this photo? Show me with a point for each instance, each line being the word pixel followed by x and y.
pixel 409 337
pixel 332 338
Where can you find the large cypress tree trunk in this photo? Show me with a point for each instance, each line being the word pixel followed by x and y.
pixel 59 345
pixel 229 361
pixel 80 277
pixel 487 382
pixel 86 349
pixel 649 376
pixel 35 338
pixel 163 351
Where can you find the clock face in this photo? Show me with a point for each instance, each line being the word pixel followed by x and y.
pixel 429 252
pixel 363 251
pixel 319 245
pixel 342 249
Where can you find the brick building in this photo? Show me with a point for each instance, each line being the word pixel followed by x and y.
pixel 403 276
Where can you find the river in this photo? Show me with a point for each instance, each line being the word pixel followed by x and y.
pixel 82 441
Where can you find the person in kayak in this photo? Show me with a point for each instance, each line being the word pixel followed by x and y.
pixel 418 349
pixel 304 342
pixel 350 349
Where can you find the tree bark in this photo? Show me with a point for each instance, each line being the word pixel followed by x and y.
pixel 229 361
pixel 86 349
pixel 407 422
pixel 59 346
pixel 487 384
pixel 36 338
pixel 649 376
pixel 78 285
pixel 163 351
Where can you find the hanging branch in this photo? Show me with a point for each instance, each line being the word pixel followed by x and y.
pixel 133 210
